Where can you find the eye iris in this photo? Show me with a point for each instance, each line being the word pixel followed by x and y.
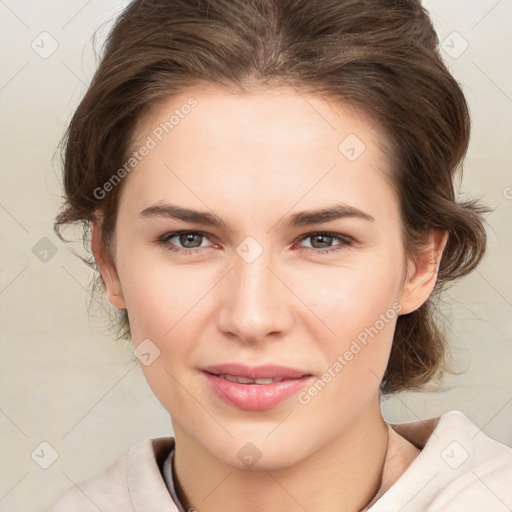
pixel 185 238
pixel 325 241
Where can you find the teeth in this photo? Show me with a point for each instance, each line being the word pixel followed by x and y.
pixel 231 378
pixel 263 381
pixel 245 380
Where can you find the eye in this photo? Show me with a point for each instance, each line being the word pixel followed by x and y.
pixel 322 242
pixel 189 241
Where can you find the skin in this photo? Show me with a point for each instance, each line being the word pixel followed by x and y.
pixel 253 159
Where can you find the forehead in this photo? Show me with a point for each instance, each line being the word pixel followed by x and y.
pixel 215 114
pixel 277 145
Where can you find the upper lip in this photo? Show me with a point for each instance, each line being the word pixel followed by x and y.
pixel 264 371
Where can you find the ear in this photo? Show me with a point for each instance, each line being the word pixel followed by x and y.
pixel 106 266
pixel 422 273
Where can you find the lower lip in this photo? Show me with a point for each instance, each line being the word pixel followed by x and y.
pixel 255 397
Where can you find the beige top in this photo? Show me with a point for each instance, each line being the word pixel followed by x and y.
pixel 458 469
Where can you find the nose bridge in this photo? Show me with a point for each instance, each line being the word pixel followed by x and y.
pixel 254 304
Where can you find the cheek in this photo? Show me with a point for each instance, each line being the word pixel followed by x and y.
pixel 359 304
pixel 354 296
pixel 165 307
pixel 158 295
pixel 362 314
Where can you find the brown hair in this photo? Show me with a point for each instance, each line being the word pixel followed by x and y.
pixel 379 56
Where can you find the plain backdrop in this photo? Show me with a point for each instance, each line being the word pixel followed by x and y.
pixel 70 401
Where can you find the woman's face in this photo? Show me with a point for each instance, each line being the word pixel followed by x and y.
pixel 260 278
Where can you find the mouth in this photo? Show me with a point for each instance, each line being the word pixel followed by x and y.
pixel 246 380
pixel 255 373
pixel 255 388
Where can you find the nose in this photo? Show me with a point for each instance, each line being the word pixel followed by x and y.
pixel 255 305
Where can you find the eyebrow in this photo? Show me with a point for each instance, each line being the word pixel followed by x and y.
pixel 298 219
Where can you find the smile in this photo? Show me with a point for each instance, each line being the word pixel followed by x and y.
pixel 254 388
pixel 245 380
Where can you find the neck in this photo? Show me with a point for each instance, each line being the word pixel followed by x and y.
pixel 344 475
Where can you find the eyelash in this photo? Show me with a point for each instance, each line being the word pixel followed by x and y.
pixel 343 242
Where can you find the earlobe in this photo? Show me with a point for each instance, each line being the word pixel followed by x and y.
pixel 422 273
pixel 106 267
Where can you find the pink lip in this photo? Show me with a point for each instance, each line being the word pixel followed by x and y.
pixel 255 397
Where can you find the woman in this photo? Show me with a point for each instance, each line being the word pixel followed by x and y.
pixel 269 191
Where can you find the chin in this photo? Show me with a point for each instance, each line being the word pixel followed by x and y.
pixel 257 450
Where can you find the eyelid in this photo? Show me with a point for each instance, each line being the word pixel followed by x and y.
pixel 164 241
pixel 339 236
pixel 344 241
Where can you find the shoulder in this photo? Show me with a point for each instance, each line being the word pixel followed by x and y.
pixel 475 470
pixel 458 468
pixel 131 483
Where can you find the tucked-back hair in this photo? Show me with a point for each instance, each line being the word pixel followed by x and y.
pixel 379 56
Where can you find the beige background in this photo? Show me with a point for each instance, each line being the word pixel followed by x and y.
pixel 62 381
